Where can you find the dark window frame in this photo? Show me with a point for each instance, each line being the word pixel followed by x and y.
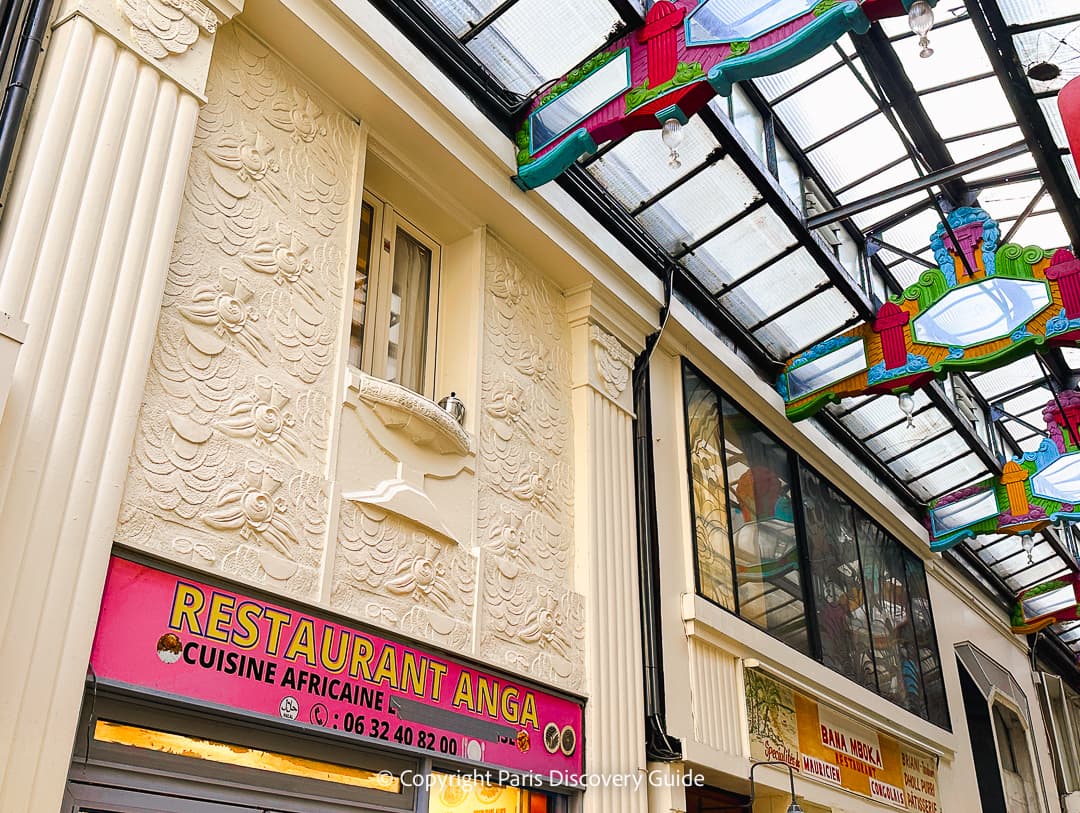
pixel 908 558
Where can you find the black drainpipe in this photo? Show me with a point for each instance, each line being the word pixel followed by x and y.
pixel 659 745
pixel 22 71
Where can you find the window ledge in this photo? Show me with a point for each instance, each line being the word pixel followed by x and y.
pixel 12 336
pixel 713 625
pixel 420 419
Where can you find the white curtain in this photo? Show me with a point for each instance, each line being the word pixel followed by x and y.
pixel 409 312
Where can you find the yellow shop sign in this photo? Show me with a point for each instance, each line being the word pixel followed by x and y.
pixel 824 744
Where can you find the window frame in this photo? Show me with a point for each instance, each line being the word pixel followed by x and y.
pixel 385 222
pixel 907 558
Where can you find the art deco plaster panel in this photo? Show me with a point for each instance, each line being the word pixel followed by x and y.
pixel 531 619
pixel 230 460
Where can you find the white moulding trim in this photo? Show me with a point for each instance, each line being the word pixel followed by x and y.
pixel 741 639
pixel 12 336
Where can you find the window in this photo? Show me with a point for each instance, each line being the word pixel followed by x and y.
pixel 759 477
pixel 896 653
pixel 1062 715
pixel 395 298
pixel 779 546
pixel 837 579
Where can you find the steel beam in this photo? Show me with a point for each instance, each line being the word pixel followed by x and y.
pixel 885 68
pixel 940 177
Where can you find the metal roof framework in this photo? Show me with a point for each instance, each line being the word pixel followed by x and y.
pixel 889 142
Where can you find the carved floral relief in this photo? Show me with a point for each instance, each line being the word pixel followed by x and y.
pixel 228 470
pixel 162 28
pixel 530 617
pixel 402 576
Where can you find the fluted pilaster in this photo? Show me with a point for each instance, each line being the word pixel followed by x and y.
pixel 84 250
pixel 607 551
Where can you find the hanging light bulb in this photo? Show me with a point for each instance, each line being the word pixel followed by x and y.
pixel 1028 543
pixel 907 406
pixel 921 19
pixel 672 136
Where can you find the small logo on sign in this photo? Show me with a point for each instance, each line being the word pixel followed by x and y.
pixel 551 738
pixel 168 648
pixel 289 708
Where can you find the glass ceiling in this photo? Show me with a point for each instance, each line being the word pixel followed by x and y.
pixel 837 127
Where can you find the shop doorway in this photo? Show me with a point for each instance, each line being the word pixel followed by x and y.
pixel 141 754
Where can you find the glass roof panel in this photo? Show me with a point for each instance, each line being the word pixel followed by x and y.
pixel 927 456
pixel 1044 230
pixel 914 232
pixel 1003 202
pixel 1058 45
pixel 958 54
pixel 824 107
pixel 902 172
pixel 907 272
pixel 698 206
pixel 1034 399
pixel 858 151
pixel 773 289
pixel 965 149
pixel 1053 566
pixel 1010 166
pixel 740 248
pixel 902 438
pixel 536 41
pixel 970 107
pixel 1072 356
pixel 949 478
pixel 1053 118
pixel 637 169
pixel 460 15
pixel 1030 11
pixel 818 318
pixel 780 83
pixel 993 383
pixel 877 412
pixel 885 211
pixel 1070 168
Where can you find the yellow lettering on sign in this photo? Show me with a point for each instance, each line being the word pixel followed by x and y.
pixel 334 663
pixel 188 601
pixel 463 694
pixel 221 607
pixel 277 620
pixel 246 614
pixel 387 670
pixel 303 643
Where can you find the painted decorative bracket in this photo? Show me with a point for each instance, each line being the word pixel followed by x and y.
pixel 1015 300
pixel 1045 604
pixel 687 52
pixel 1033 491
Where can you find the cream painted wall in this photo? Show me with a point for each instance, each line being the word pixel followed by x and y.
pixel 961 617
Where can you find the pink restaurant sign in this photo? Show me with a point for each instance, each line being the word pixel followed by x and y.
pixel 184 638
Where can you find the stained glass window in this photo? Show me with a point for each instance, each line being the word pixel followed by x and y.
pixel 711 536
pixel 933 686
pixel 759 481
pixel 896 652
pixel 781 547
pixel 836 578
